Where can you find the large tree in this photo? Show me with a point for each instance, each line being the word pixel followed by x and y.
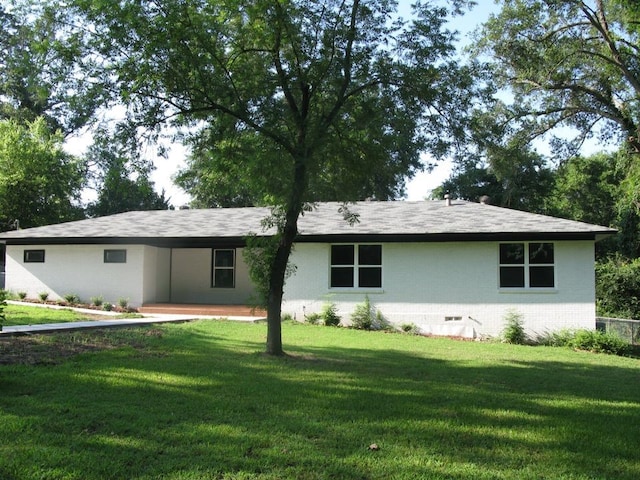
pixel 323 96
pixel 572 63
pixel 40 184
pixel 510 176
pixel 40 73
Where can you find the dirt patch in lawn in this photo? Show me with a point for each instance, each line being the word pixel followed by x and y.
pixel 55 348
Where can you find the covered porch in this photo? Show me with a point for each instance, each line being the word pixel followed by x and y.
pixel 202 309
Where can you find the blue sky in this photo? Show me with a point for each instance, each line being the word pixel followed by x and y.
pixel 422 184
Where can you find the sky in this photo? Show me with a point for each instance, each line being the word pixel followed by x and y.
pixel 421 185
pixel 418 188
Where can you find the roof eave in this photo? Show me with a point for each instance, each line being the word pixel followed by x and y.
pixel 195 242
pixel 454 237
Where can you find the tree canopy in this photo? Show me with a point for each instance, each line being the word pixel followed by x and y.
pixel 40 71
pixel 571 63
pixel 330 99
pixel 122 184
pixel 40 184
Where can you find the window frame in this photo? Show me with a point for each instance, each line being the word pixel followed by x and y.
pixel 215 267
pixel 28 252
pixel 527 266
pixel 112 255
pixel 357 268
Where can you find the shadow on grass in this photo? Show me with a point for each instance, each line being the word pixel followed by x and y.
pixel 203 403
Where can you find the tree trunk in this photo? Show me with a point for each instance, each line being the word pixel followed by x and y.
pixel 279 267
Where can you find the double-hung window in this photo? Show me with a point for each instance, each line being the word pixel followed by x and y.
pixel 356 266
pixel 224 267
pixel 527 265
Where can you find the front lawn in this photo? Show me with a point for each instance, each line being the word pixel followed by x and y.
pixel 200 401
pixel 19 314
pixel 30 315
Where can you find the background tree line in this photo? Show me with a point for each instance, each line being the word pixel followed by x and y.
pixel 290 102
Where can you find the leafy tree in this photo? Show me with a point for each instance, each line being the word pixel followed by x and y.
pixel 568 63
pixel 617 287
pixel 119 193
pixel 39 183
pixel 329 99
pixel 512 177
pixel 471 182
pixel 39 70
pixel 123 182
pixel 628 207
pixel 216 170
pixel 587 189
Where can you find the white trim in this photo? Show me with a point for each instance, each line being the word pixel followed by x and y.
pixel 527 266
pixel 356 268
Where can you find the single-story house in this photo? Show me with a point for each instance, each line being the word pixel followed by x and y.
pixel 448 267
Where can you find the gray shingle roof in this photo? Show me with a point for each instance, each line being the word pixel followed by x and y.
pixel 427 220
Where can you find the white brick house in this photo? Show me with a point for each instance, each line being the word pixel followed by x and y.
pixel 452 268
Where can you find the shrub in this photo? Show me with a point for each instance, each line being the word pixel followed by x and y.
pixel 514 328
pixel 366 317
pixel 22 295
pixel 558 338
pixel 411 328
pixel 599 342
pixel 312 318
pixel 286 317
pixel 589 340
pixel 617 287
pixel 330 315
pixel 71 298
pixel 43 296
pixel 123 302
pixel 362 316
pixel 97 301
pixel 107 306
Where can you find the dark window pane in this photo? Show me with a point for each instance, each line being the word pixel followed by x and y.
pixel 512 254
pixel 224 258
pixel 341 277
pixel 33 256
pixel 541 253
pixel 541 277
pixel 223 278
pixel 370 255
pixel 512 276
pixel 370 277
pixel 115 256
pixel 342 255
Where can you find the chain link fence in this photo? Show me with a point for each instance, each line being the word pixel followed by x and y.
pixel 628 330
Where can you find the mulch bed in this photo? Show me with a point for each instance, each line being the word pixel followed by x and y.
pixel 55 348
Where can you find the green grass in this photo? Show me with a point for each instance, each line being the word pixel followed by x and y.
pixel 28 315
pixel 200 401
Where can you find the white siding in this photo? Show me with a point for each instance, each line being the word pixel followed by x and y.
pixel 425 282
pixel 191 279
pixel 150 275
pixel 157 275
pixel 79 270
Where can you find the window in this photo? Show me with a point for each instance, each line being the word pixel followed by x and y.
pixel 224 266
pixel 356 266
pixel 115 256
pixel 34 256
pixel 527 265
